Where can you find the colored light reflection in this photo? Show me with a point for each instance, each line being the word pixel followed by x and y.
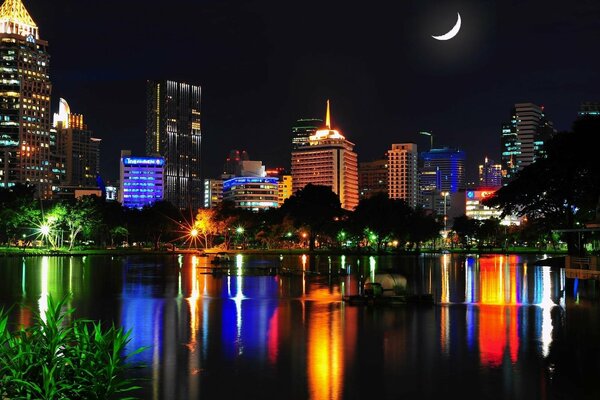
pixel 497 287
pixel 325 354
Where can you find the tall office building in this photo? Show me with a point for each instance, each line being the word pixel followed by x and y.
pixel 302 130
pixel 25 137
pixel 402 173
pixel 523 138
pixel 373 177
pixel 173 132
pixel 490 174
pixel 142 180
pixel 451 163
pixel 327 160
pixel 77 146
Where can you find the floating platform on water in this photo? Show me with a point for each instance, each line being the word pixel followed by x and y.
pixel 359 300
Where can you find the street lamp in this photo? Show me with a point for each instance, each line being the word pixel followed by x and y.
pixel 430 138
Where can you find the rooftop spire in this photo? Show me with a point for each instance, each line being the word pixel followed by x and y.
pixel 15 19
pixel 328 117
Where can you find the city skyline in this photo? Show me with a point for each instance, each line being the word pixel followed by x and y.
pixel 386 81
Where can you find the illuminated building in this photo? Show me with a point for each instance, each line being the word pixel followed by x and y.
pixel 77 146
pixel 476 210
pixel 451 163
pixel 213 192
pixel 142 180
pixel 327 160
pixel 252 193
pixel 303 129
pixel 173 132
pixel 233 163
pixel 284 189
pixel 402 173
pixel 25 138
pixel 490 174
pixel 373 177
pixel 430 195
pixel 112 193
pixel 589 109
pixel 523 138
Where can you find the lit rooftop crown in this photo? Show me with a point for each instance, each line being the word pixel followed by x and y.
pixel 327 132
pixel 15 19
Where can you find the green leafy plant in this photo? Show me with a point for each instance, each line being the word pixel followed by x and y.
pixel 58 359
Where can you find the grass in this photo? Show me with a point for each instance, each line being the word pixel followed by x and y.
pixel 56 359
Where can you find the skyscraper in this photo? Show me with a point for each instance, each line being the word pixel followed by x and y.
pixel 373 177
pixel 523 138
pixel 77 146
pixel 302 130
pixel 25 137
pixel 402 173
pixel 451 163
pixel 173 132
pixel 490 174
pixel 327 160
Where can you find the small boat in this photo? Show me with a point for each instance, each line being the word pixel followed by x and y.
pixel 221 258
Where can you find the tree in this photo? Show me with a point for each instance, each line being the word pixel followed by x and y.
pixel 315 207
pixel 422 227
pixel 466 229
pixel 561 190
pixel 206 225
pixel 161 221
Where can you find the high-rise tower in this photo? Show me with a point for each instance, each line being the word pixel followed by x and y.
pixel 523 138
pixel 25 137
pixel 302 130
pixel 327 160
pixel 402 173
pixel 77 144
pixel 451 163
pixel 173 132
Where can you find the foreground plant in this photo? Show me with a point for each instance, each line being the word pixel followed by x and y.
pixel 56 359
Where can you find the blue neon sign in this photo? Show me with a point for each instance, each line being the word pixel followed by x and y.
pixel 159 162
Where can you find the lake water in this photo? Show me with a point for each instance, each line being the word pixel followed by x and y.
pixel 500 328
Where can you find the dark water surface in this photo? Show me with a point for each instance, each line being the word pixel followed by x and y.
pixel 501 327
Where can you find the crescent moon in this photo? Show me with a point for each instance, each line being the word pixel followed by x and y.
pixel 453 32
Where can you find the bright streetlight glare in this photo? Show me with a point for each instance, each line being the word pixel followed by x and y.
pixel 194 232
pixel 45 230
pixel 240 229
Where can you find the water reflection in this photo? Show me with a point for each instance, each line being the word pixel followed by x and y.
pixel 292 337
pixel 496 290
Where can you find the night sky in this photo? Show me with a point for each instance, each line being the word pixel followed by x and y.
pixel 264 64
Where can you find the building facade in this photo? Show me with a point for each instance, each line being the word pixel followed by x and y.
pixel 173 131
pixel 213 192
pixel 303 129
pixel 77 148
pixel 490 174
pixel 402 173
pixel 373 177
pixel 284 189
pixel 327 160
pixel 523 138
pixel 252 193
pixel 142 180
pixel 476 210
pixel 451 163
pixel 26 140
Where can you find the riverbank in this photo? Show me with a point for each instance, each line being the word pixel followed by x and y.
pixel 131 251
